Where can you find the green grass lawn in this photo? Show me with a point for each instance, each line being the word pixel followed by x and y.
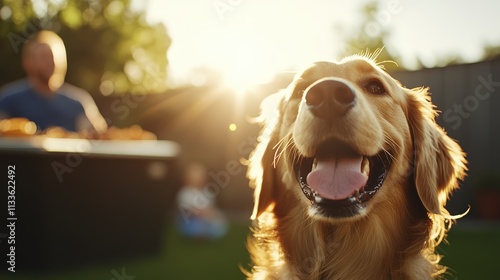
pixel 472 253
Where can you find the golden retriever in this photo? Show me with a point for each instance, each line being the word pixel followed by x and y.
pixel 351 176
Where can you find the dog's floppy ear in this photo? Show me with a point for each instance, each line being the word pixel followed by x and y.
pixel 261 170
pixel 439 160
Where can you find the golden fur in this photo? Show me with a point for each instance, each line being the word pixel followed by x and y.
pixel 397 236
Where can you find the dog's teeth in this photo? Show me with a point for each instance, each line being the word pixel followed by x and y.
pixel 352 199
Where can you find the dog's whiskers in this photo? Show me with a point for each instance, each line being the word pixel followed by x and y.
pixel 281 147
pixel 392 144
pixel 395 146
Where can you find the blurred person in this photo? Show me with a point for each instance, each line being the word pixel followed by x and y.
pixel 200 218
pixel 43 97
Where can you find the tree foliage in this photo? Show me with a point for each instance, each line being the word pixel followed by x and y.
pixel 110 47
pixel 370 37
pixel 374 32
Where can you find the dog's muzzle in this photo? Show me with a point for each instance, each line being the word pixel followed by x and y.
pixel 338 180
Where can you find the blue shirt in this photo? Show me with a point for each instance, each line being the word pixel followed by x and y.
pixel 57 110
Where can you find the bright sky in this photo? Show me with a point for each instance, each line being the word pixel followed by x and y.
pixel 249 40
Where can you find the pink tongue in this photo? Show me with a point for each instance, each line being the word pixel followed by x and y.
pixel 337 178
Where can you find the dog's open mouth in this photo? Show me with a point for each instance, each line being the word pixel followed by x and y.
pixel 338 181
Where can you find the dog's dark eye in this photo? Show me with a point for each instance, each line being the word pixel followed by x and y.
pixel 375 87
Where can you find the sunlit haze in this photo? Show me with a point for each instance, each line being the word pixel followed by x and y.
pixel 248 41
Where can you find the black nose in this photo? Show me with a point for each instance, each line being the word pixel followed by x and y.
pixel 330 98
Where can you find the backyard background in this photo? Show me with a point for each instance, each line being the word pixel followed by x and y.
pixel 131 66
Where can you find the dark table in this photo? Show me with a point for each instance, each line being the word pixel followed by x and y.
pixel 79 201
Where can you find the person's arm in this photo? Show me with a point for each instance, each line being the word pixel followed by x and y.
pixel 83 124
pixel 92 118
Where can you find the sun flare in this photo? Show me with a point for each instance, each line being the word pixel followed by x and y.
pixel 244 59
